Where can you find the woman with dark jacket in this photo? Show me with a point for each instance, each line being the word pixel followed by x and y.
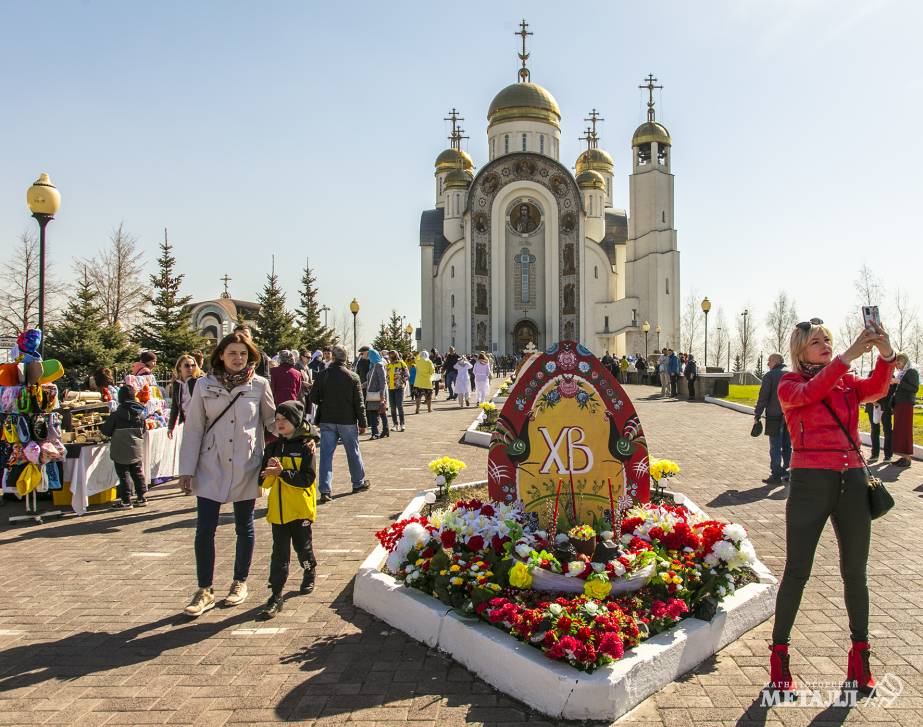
pixel 376 395
pixel 185 374
pixel 907 382
pixel 881 410
pixel 820 400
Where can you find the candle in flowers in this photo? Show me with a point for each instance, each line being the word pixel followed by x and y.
pixel 611 504
pixel 573 498
pixel 554 513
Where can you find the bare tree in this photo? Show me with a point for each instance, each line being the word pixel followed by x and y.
pixel 746 337
pixel 852 324
pixel 869 291
pixel 780 321
pixel 343 328
pixel 691 324
pixel 905 317
pixel 915 344
pixel 117 277
pixel 19 287
pixel 722 339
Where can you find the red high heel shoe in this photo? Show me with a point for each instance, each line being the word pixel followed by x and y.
pixel 779 671
pixel 858 672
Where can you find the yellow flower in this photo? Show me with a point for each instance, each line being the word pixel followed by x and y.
pixel 455 569
pixel 597 589
pixel 443 572
pixel 520 577
pixel 677 580
pixel 456 581
pixel 419 561
pixel 665 577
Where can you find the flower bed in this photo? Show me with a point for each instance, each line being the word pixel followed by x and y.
pixel 564 684
pixel 583 607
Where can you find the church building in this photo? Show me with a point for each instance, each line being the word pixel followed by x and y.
pixel 525 251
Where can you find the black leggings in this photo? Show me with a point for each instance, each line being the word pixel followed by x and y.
pixel 137 476
pixel 814 496
pixel 297 534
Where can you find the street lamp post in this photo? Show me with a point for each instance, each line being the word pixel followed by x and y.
pixel 354 309
pixel 706 306
pixel 659 331
pixel 44 200
pixel 408 329
pixel 324 310
pixel 647 329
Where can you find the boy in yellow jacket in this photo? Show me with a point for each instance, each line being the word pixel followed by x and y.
pixel 290 474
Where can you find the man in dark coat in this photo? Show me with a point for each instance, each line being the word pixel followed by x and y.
pixel 780 443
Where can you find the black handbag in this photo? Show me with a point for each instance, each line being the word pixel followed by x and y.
pixel 880 500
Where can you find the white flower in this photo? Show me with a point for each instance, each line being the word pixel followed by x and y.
pixel 574 568
pixel 440 480
pixel 606 535
pixel 617 568
pixel 555 609
pixel 721 591
pixel 711 560
pixel 626 538
pixel 735 532
pixel 687 549
pixel 747 552
pixel 591 607
pixel 598 567
pixel 523 550
pixel 725 550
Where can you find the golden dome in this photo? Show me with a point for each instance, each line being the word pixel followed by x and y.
pixel 599 161
pixel 589 179
pixel 651 131
pixel 458 179
pixel 449 159
pixel 524 101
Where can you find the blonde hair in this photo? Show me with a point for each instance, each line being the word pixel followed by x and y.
pixel 178 368
pixel 902 360
pixel 799 341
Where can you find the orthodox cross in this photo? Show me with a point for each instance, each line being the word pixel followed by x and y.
pixel 594 119
pixel 457 131
pixel 524 74
pixel 226 279
pixel 650 90
pixel 590 138
pixel 525 260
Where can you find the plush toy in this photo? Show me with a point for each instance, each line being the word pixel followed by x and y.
pixel 12 374
pixel 26 351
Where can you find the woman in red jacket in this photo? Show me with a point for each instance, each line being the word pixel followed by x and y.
pixel 828 480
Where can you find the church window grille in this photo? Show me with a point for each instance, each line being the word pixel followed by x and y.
pixel 596 272
pixel 506 144
pixel 663 215
pixel 523 142
pixel 452 272
pixel 668 286
pixel 453 300
pixel 541 143
pixel 606 323
pixel 526 264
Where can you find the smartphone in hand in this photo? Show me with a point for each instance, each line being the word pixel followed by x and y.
pixel 870 317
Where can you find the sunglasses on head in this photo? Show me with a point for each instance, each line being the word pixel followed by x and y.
pixel 806 325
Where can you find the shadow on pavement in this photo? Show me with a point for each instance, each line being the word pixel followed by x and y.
pixel 88 526
pixel 90 652
pixel 744 497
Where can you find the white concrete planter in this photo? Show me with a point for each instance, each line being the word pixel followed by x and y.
pixel 475 437
pixel 744 409
pixel 550 687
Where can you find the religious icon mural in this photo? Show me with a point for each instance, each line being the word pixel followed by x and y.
pixel 569 434
pixel 481 335
pixel 480 260
pixel 570 266
pixel 525 218
pixel 568 222
pixel 480 223
pixel 480 305
pixel 570 299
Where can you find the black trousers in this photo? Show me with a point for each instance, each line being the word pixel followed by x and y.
pixel 674 385
pixel 297 534
pixel 691 383
pixel 816 495
pixel 884 427
pixel 137 476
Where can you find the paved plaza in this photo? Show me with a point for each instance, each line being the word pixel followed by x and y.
pixel 90 631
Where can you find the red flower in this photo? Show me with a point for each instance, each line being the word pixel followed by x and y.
pixel 475 543
pixel 427 553
pixel 611 645
pixel 488 511
pixel 564 623
pixel 448 539
pixel 629 524
pixel 656 533
pixel 584 633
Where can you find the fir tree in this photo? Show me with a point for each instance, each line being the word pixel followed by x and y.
pixel 737 365
pixel 312 335
pixel 274 323
pixel 391 336
pixel 81 341
pixel 166 329
pixel 759 366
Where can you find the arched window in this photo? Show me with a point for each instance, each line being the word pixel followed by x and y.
pixel 506 144
pixel 453 300
pixel 663 215
pixel 452 272
pixel 596 272
pixel 541 143
pixel 668 286
pixel 523 142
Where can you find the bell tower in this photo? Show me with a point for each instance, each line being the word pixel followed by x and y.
pixel 652 260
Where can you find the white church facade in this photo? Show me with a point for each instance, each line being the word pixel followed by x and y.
pixel 525 251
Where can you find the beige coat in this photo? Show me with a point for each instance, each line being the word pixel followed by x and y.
pixel 225 463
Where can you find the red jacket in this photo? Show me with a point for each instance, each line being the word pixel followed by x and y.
pixel 285 381
pixel 817 440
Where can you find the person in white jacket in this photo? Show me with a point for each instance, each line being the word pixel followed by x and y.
pixel 463 382
pixel 482 376
pixel 220 459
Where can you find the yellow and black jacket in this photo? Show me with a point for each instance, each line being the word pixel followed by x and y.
pixel 292 494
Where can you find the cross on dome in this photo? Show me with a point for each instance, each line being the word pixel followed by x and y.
pixel 457 132
pixel 226 279
pixel 524 75
pixel 650 90
pixel 594 118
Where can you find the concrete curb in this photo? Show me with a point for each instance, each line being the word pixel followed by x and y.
pixel 744 409
pixel 552 688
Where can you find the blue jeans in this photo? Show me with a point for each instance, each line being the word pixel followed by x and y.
pixel 396 402
pixel 450 383
pixel 330 435
pixel 207 524
pixel 780 452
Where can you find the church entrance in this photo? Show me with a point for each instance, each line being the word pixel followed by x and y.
pixel 525 332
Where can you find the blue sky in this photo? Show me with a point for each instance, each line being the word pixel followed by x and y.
pixel 309 129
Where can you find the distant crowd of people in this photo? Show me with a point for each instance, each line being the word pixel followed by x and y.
pixel 665 368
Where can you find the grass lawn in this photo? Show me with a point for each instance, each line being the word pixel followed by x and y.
pixel 747 395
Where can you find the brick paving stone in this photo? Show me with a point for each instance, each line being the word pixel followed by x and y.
pixel 101 639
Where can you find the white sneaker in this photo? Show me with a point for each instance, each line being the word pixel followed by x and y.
pixel 237 594
pixel 202 601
